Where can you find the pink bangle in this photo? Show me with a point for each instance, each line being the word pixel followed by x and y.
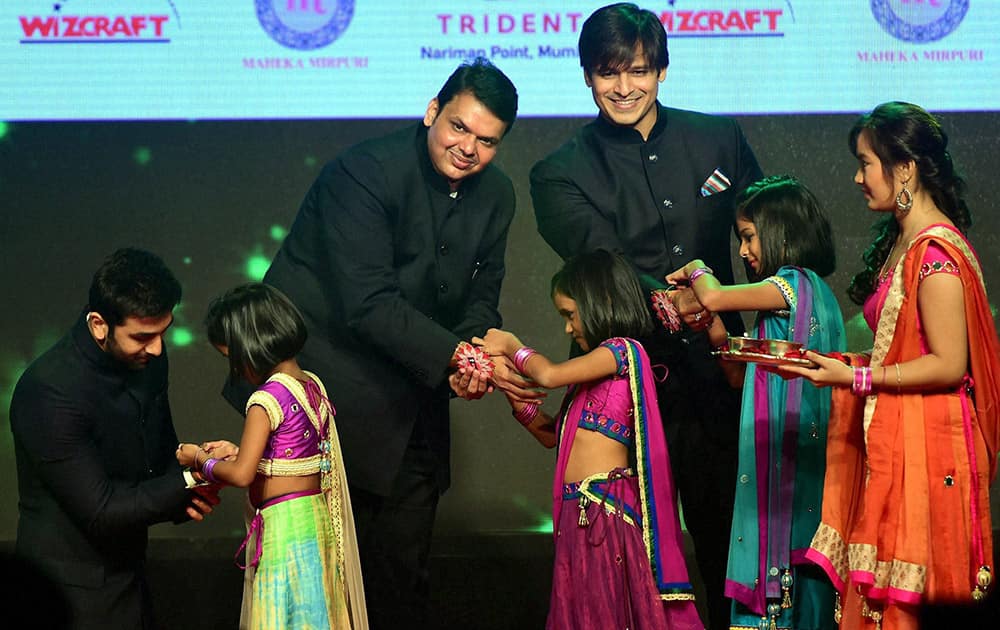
pixel 699 272
pixel 862 385
pixel 527 414
pixel 521 357
pixel 665 310
pixel 207 467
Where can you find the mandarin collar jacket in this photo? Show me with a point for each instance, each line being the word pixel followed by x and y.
pixel 94 443
pixel 390 270
pixel 607 187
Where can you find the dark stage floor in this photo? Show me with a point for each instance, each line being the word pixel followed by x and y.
pixel 488 582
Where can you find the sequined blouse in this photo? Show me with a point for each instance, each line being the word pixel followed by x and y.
pixel 299 423
pixel 608 407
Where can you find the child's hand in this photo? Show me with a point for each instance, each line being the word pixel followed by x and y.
pixel 499 342
pixel 513 383
pixel 677 277
pixel 681 275
pixel 221 449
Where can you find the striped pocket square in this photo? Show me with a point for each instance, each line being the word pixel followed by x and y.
pixel 716 183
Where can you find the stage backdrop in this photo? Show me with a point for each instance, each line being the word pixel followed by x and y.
pixel 194 129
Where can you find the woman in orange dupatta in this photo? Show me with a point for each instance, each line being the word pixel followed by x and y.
pixel 912 444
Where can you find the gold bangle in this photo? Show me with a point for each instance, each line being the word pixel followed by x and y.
pixel 899 378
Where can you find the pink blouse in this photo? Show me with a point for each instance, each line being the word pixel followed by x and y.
pixel 936 260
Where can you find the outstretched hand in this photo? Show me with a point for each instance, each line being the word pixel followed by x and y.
pixel 513 383
pixel 828 371
pixel 498 342
pixel 679 277
pixel 501 345
pixel 221 449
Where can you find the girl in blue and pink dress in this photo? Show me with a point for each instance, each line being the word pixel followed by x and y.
pixel 619 560
pixel 302 540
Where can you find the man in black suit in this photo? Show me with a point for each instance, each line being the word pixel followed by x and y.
pixel 396 259
pixel 94 443
pixel 658 184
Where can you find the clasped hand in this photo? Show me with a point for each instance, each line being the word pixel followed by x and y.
pixel 472 384
pixel 204 497
pixel 501 346
pixel 695 316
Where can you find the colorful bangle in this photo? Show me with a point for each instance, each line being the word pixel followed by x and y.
pixel 207 467
pixel 526 414
pixel 665 310
pixel 474 358
pixel 521 357
pixel 699 272
pixel 862 385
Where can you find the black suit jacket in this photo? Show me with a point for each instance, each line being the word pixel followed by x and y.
pixel 608 188
pixel 390 272
pixel 94 444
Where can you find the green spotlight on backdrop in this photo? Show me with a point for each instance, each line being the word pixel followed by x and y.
pixel 181 336
pixel 142 155
pixel 278 232
pixel 256 266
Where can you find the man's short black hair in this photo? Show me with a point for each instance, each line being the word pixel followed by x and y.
pixel 610 36
pixel 133 283
pixel 487 83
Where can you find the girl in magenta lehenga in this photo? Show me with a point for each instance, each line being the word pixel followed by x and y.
pixel 619 560
pixel 301 541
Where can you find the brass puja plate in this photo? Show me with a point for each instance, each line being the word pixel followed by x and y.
pixel 762 358
pixel 764 351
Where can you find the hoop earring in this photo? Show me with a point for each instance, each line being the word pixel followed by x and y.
pixel 904 200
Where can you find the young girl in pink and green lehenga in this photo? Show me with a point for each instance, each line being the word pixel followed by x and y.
pixel 301 541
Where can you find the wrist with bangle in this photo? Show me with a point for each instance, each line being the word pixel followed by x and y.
pixel 699 272
pixel 526 414
pixel 520 358
pixel 862 383
pixel 208 467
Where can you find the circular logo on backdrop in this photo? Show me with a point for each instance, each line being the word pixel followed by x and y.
pixel 304 24
pixel 919 21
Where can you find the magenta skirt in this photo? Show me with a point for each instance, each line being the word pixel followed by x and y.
pixel 602 579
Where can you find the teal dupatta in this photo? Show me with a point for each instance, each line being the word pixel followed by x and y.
pixel 782 456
